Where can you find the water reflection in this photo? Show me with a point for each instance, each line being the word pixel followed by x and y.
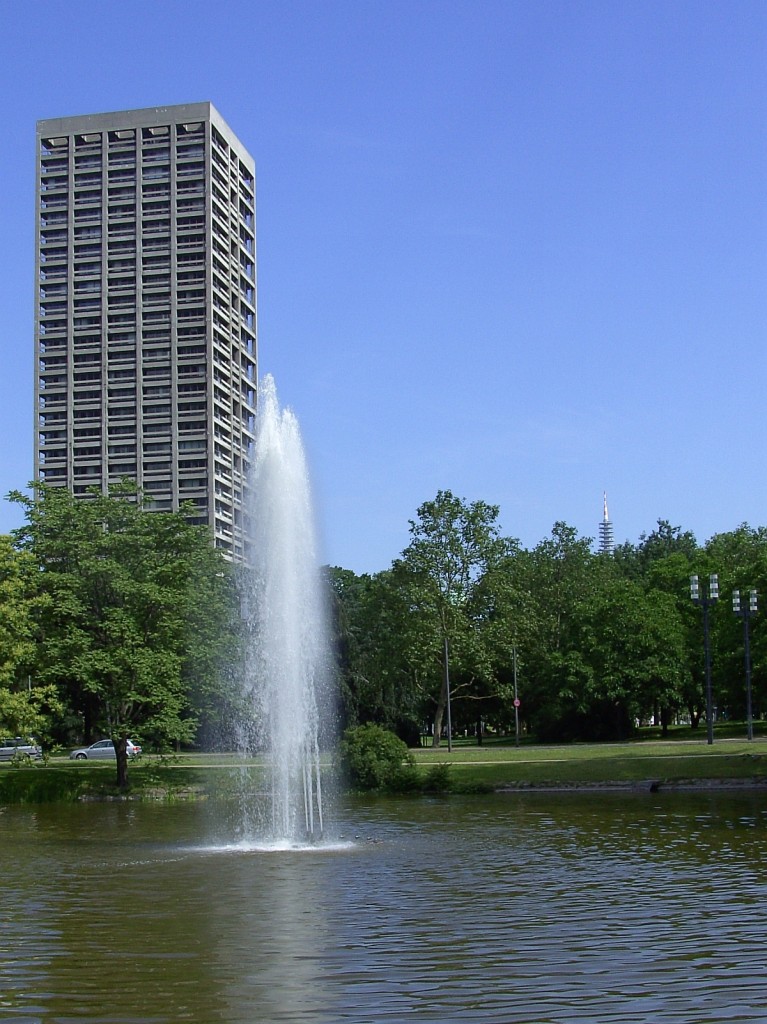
pixel 269 945
pixel 520 909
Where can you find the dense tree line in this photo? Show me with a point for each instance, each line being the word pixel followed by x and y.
pixel 121 623
pixel 595 643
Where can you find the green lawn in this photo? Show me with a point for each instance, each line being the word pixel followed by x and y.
pixel 491 766
pixel 652 761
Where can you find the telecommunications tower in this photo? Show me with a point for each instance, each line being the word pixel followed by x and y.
pixel 606 531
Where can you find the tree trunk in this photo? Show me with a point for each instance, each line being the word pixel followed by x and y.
pixel 121 753
pixel 665 720
pixel 439 714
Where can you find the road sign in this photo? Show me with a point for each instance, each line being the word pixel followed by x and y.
pixel 517 702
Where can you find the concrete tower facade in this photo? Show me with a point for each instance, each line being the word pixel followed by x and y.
pixel 145 326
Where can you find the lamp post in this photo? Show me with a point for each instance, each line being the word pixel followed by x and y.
pixel 516 698
pixel 705 599
pixel 745 611
pixel 447 697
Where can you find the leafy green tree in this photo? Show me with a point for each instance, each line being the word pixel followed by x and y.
pixel 17 624
pixel 344 590
pixel 26 706
pixel 445 572
pixel 558 574
pixel 377 640
pixel 663 541
pixel 669 576
pixel 634 645
pixel 509 628
pixel 740 558
pixel 662 564
pixel 601 648
pixel 138 614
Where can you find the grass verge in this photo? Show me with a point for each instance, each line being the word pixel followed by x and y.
pixel 465 769
pixel 652 762
pixel 150 779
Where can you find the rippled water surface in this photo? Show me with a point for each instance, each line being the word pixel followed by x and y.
pixel 522 909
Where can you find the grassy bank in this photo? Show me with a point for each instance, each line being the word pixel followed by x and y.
pixel 152 778
pixel 490 767
pixel 672 762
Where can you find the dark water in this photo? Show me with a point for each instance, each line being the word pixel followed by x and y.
pixel 520 909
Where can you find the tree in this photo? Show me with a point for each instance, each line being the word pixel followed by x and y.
pixel 740 558
pixel 138 612
pixel 559 575
pixel 377 641
pixel 454 547
pixel 26 706
pixel 663 562
pixel 634 643
pixel 663 541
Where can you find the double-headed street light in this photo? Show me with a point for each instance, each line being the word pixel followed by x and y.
pixel 745 611
pixel 706 599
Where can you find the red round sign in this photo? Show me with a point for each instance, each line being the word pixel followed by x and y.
pixel 517 702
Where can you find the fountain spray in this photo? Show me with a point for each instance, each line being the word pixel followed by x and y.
pixel 287 667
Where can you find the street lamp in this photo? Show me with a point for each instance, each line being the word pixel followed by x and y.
pixel 447 697
pixel 706 600
pixel 516 698
pixel 745 611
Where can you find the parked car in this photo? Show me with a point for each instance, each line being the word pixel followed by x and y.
pixel 102 749
pixel 16 747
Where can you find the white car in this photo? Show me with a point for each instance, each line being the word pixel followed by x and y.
pixel 16 748
pixel 102 749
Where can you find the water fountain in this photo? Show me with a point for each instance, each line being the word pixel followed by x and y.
pixel 287 668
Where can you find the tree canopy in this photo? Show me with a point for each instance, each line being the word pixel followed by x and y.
pixel 445 574
pixel 122 622
pixel 132 616
pixel 601 642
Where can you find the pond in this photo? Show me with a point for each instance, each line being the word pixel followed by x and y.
pixel 517 909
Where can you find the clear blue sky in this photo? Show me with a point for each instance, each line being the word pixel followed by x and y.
pixel 517 250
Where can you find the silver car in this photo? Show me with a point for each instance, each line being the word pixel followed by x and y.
pixel 102 749
pixel 16 748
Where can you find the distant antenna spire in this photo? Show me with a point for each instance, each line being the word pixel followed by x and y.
pixel 606 531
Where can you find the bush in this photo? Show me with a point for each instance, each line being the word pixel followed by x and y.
pixel 375 759
pixel 438 779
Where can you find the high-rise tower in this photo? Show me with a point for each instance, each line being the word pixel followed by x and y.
pixel 145 328
pixel 605 530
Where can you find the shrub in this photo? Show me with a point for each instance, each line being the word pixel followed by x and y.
pixel 375 759
pixel 438 779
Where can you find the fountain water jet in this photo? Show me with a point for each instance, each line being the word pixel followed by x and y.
pixel 287 664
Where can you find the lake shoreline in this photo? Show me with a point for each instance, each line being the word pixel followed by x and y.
pixel 644 786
